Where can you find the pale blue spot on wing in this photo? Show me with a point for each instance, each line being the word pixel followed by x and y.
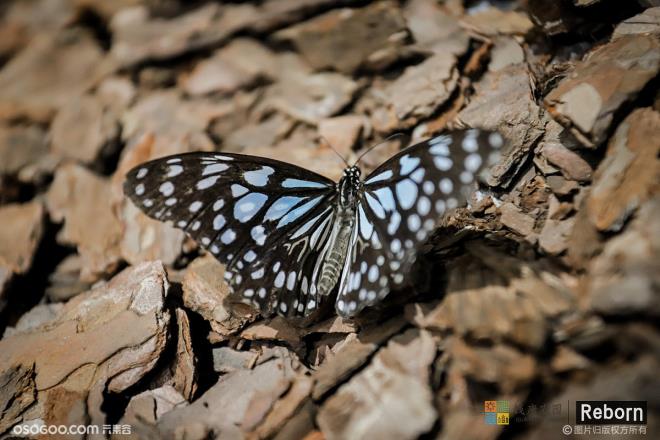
pixel 317 232
pixel 366 227
pixel 228 236
pixel 207 182
pixel 386 198
pixel 418 175
pixel 379 177
pixel 258 235
pixel 440 150
pixel 282 206
pixel 258 177
pixel 406 192
pixel 375 206
pixel 214 168
pixel 248 206
pixel 299 211
pixel 408 164
pixel 443 163
pixel 250 256
pixel 238 190
pixel 174 170
pixel 298 183
pixel 440 144
pixel 305 227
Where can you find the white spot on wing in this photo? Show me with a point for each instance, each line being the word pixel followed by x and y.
pixel 195 206
pixel 423 206
pixel 291 280
pixel 366 227
pixel 281 206
pixel 386 198
pixel 219 222
pixel 299 211
pixel 472 162
pixel 258 235
pixel 418 175
pixel 258 177
pixel 440 145
pixel 306 226
pixel 279 280
pixel 228 236
pixel 257 274
pixel 408 164
pixel 395 220
pixel 469 143
pixel 207 182
pixel 375 206
pixel 174 170
pixel 373 273
pixel 214 168
pixel 442 163
pixel 414 223
pixel 446 185
pixel 495 140
pixel 298 183
pixel 379 177
pixel 238 190
pixel 166 189
pixel 248 206
pixel 406 193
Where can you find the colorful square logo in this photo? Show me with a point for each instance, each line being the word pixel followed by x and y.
pixel 502 418
pixel 496 412
pixel 491 418
pixel 490 406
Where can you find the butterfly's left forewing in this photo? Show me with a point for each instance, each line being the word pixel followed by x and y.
pixel 402 201
pixel 242 209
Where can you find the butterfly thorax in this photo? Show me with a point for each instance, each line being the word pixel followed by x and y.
pixel 349 190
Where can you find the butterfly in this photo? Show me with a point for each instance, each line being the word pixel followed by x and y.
pixel 289 237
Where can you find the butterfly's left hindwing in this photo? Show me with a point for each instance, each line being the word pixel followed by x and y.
pixel 401 203
pixel 242 209
pixel 285 278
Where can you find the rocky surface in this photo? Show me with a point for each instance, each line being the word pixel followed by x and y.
pixel 543 290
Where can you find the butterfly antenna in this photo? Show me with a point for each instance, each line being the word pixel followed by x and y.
pixel 387 139
pixel 336 152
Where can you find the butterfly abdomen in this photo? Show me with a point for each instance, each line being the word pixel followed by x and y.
pixel 338 251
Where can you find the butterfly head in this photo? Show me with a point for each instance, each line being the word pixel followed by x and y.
pixel 349 186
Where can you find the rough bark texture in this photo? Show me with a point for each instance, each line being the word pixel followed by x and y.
pixel 543 291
